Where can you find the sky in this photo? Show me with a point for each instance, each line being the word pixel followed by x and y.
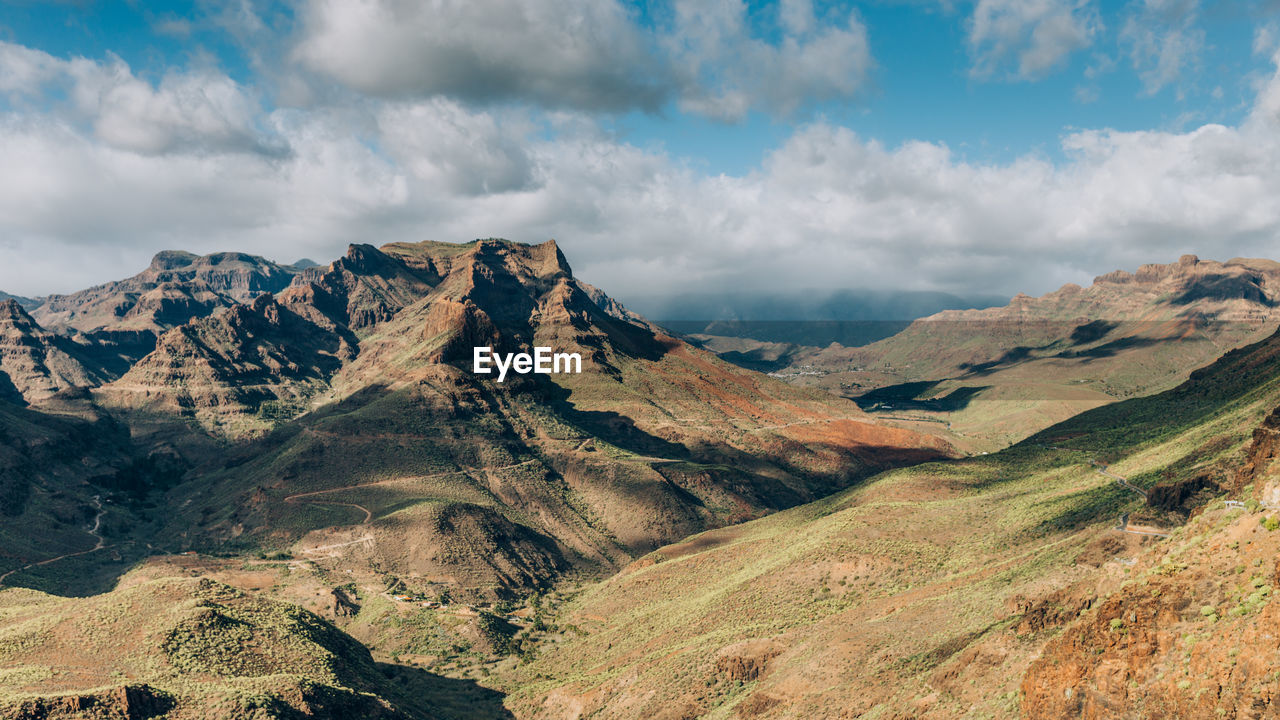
pixel 991 146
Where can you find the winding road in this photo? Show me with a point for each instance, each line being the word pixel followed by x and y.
pixel 94 531
pixel 1103 469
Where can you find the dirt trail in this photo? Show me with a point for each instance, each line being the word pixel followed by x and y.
pixel 1103 469
pixel 357 541
pixel 368 514
pixel 94 531
pixel 679 422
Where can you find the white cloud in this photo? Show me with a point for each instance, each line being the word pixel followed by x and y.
pixel 1266 38
pixel 1165 42
pixel 827 208
pixel 1029 38
pixel 25 71
pixel 578 53
pixel 589 55
pixel 729 71
pixel 199 110
pixel 444 145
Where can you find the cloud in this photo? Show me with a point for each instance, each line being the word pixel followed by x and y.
pixel 445 146
pixel 1164 42
pixel 1026 39
pixel 201 110
pixel 826 209
pixel 1266 38
pixel 25 71
pixel 585 54
pixel 588 55
pixel 729 71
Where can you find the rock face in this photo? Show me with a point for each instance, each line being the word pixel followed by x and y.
pixel 1191 634
pixel 35 364
pixel 128 702
pixel 493 483
pixel 233 364
pixel 176 287
pixel 121 320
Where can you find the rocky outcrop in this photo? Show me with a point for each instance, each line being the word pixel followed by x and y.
pixel 177 287
pixel 366 286
pixel 1262 452
pixel 127 702
pixel 1190 635
pixel 234 364
pixel 34 363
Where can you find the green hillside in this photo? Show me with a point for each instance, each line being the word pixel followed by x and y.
pixel 929 589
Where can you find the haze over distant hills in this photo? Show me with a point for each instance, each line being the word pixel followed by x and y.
pixel 996 375
pixel 817 317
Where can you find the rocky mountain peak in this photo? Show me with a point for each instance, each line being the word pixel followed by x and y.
pixel 36 363
pixel 172 260
pixel 11 311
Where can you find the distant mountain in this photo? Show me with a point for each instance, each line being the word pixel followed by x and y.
pixel 120 320
pixel 333 411
pixel 499 486
pixel 815 318
pixel 999 374
pixel 26 303
pixel 814 305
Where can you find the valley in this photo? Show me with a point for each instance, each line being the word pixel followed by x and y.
pixel 310 433
pixel 995 376
pixel 283 491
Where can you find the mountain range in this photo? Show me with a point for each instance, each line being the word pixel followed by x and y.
pixel 233 488
pixel 996 375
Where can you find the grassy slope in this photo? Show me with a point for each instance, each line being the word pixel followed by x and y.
pixel 194 648
pixel 47 504
pixel 907 588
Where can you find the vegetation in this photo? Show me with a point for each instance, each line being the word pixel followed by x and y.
pixel 926 562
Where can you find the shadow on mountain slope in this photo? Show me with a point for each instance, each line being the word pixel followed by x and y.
pixel 431 695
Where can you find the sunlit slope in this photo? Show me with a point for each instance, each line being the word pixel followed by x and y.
pixel 924 593
pixel 1190 631
pixel 185 649
pixel 996 376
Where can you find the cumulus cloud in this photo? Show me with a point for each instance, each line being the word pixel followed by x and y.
pixel 588 55
pixel 446 146
pixel 1026 39
pixel 826 209
pixel 1164 41
pixel 194 111
pixel 585 54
